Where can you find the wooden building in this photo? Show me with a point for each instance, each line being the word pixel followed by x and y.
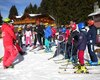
pixel 32 18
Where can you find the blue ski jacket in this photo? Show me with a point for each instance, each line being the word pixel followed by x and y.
pixel 48 32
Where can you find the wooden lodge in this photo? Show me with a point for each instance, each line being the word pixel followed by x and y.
pixel 32 18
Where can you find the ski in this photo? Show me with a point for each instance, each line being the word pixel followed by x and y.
pixel 34 50
pixel 69 71
pixel 64 67
pixel 68 63
pixel 72 71
pixel 70 67
pixel 50 58
pixel 62 61
pixel 59 59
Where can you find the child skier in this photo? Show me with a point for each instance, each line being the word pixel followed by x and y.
pixel 28 35
pixel 19 36
pixel 53 33
pixel 18 42
pixel 61 45
pixel 47 35
pixel 72 44
pixel 81 47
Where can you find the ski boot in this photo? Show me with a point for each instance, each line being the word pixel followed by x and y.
pixel 22 52
pixel 34 47
pixel 93 63
pixel 50 50
pixel 77 66
pixel 99 62
pixel 1 59
pixel 12 66
pixel 41 48
pixel 81 69
pixel 47 49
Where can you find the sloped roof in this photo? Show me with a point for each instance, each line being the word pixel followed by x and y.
pixel 35 15
pixel 95 13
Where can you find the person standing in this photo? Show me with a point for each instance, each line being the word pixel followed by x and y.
pixel 72 43
pixel 28 35
pixel 53 29
pixel 82 41
pixel 10 52
pixel 18 43
pixel 39 33
pixel 47 35
pixel 91 40
pixel 19 36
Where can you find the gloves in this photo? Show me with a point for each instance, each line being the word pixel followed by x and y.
pixel 91 41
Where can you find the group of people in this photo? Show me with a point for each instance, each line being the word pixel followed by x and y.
pixel 13 43
pixel 72 41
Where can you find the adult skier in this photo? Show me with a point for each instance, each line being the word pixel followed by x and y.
pixel 91 40
pixel 10 52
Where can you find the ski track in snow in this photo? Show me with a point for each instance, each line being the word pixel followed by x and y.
pixel 38 67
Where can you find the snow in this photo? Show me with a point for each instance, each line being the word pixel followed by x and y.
pixel 37 67
pixel 18 16
pixel 32 15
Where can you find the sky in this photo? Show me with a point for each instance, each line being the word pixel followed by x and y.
pixel 5 6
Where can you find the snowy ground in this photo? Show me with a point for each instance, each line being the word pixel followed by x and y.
pixel 38 67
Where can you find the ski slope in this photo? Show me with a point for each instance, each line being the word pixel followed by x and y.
pixel 37 67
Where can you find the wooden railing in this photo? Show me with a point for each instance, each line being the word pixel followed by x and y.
pixel 24 22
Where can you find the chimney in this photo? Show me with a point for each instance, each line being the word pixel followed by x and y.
pixel 96 6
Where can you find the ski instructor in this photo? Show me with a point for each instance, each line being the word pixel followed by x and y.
pixel 9 37
pixel 91 40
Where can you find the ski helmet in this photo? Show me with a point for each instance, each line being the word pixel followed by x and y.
pixel 19 28
pixel 45 24
pixel 6 20
pixel 81 25
pixel 73 26
pixel 91 22
pixel 52 24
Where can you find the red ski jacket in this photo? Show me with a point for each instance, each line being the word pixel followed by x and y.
pixel 8 34
pixel 53 31
pixel 67 34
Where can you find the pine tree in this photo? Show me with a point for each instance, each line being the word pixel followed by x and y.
pixel 31 9
pixel 13 12
pixel 0 19
pixel 35 8
pixel 65 10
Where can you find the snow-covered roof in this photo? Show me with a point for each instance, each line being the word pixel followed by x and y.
pixel 32 15
pixel 18 16
pixel 52 17
pixel 95 13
